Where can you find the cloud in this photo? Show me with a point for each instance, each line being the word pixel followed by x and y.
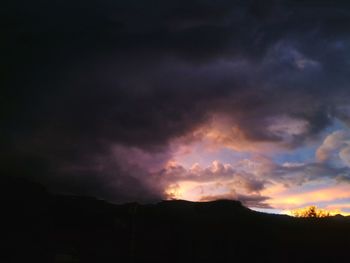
pixel 296 198
pixel 335 147
pixel 93 100
pixel 217 181
pixel 267 183
pixel 216 172
pixel 344 155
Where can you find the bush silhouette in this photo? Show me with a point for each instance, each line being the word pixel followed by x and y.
pixel 310 211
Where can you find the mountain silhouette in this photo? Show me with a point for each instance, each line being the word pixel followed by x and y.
pixel 43 227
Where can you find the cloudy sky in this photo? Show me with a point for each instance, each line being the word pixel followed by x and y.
pixel 187 99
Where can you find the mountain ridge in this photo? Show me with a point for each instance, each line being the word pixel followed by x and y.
pixel 43 227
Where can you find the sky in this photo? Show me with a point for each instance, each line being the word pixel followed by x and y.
pixel 197 100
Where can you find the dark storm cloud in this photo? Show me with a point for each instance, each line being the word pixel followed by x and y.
pixel 78 78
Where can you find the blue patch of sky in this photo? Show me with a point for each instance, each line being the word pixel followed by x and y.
pixel 306 153
pixel 302 155
pixel 336 125
pixel 269 210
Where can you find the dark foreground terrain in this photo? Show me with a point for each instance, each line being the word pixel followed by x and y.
pixel 41 227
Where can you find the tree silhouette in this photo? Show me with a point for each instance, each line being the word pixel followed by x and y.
pixel 310 211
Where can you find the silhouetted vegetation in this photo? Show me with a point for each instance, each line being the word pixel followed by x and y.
pixel 310 211
pixel 40 227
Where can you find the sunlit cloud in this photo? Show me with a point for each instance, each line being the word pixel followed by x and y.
pixel 300 197
pixel 222 131
pixel 215 181
pixel 256 179
pixel 335 148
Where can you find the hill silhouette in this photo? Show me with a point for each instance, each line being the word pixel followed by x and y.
pixel 42 227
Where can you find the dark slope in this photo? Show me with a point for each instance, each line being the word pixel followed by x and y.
pixel 40 227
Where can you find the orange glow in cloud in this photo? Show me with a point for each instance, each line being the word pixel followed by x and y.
pixel 338 209
pixel 191 157
pixel 284 198
pixel 217 133
pixel 221 132
pixel 320 195
pixel 186 190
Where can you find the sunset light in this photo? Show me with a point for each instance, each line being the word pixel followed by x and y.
pixel 172 130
